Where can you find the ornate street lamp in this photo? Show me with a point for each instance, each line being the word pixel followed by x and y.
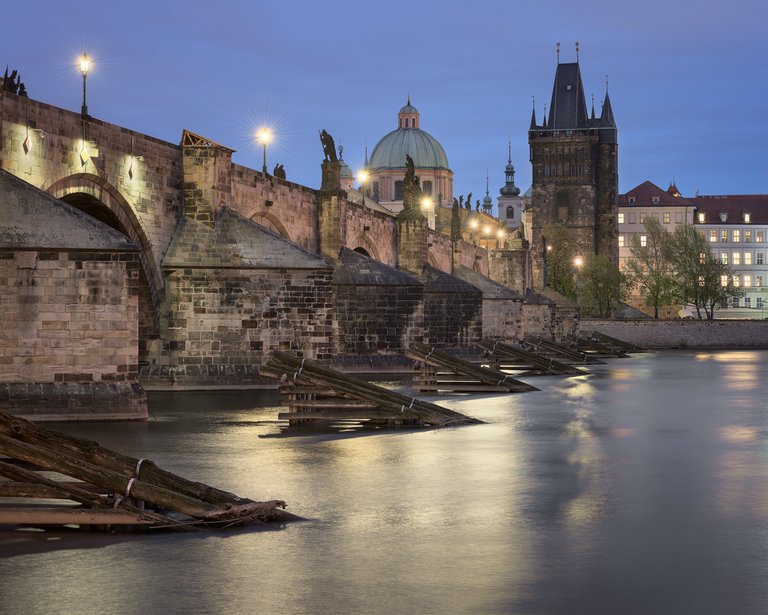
pixel 265 136
pixel 85 65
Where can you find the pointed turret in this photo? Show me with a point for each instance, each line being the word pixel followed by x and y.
pixel 607 125
pixel 568 109
pixel 533 119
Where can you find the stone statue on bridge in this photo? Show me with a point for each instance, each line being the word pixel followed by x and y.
pixel 279 171
pixel 329 147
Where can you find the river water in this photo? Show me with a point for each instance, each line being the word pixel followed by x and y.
pixel 641 487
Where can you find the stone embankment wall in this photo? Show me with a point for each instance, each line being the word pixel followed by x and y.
pixel 685 333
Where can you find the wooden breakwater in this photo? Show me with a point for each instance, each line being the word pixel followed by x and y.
pixel 102 488
pixel 314 393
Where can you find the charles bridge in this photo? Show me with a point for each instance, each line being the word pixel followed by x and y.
pixel 224 265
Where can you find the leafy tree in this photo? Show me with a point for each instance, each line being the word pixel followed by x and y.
pixel 561 250
pixel 601 286
pixel 650 268
pixel 701 279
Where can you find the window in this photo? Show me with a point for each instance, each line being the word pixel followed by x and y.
pixel 724 235
pixel 712 235
pixel 747 236
pixel 735 302
pixel 758 280
pixel 510 212
pixel 643 240
pixel 747 217
pixel 643 217
pixel 736 281
pixel 398 191
pixel 621 241
pixel 723 280
pixel 632 218
pixel 747 301
pixel 621 218
pixel 667 217
pixel 747 280
pixel 747 258
pixel 702 258
pixel 737 258
pixel 758 258
pixel 655 200
pixel 759 235
pixel 759 303
pixel 724 258
pixel 736 235
pixel 426 187
pixel 631 200
pixel 678 217
pixel 702 217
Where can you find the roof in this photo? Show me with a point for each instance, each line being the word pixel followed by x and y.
pixel 734 206
pixel 32 219
pixel 235 242
pixel 408 108
pixel 437 281
pixel 355 269
pixel 645 193
pixel 426 151
pixel 491 289
pixel 567 109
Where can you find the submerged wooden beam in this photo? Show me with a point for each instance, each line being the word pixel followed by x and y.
pixel 34 515
pixel 448 370
pixel 539 364
pixel 305 374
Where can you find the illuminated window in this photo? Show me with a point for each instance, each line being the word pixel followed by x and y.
pixel 748 236
pixel 759 235
pixel 747 217
pixel 643 240
pixel 724 258
pixel 736 235
pixel 747 258
pixel 736 280
pixel 621 241
pixel 712 235
pixel 737 258
pixel 702 217
pixel 724 235
pixel 667 217
pixel 723 280
pixel 621 218
pixel 747 280
pixel 758 280
pixel 701 280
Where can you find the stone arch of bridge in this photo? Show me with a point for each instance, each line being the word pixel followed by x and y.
pixel 432 261
pixel 98 198
pixel 367 246
pixel 272 222
pixel 102 192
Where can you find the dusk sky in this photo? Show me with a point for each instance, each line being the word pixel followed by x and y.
pixel 687 79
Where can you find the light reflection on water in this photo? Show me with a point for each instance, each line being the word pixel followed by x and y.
pixel 641 487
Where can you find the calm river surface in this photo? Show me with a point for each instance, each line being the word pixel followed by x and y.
pixel 641 487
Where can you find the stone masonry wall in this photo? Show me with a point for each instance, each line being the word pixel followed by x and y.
pixel 501 318
pixel 288 209
pixel 148 183
pixel 370 230
pixel 70 342
pixel 453 320
pixel 221 324
pixel 685 333
pixel 473 256
pixel 548 322
pixel 377 318
pixel 440 251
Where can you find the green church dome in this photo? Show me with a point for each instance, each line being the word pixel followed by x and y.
pixel 425 150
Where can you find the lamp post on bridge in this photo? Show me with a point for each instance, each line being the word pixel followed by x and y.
pixel 265 136
pixel 85 65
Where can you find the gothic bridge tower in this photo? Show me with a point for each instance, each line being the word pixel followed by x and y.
pixel 574 158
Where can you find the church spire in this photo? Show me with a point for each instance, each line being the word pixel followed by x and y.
pixel 533 115
pixel 509 188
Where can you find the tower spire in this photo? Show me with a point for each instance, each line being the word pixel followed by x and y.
pixel 577 52
pixel 558 53
pixel 509 146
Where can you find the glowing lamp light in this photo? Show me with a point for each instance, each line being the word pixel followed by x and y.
pixel 500 233
pixel 362 176
pixel 426 203
pixel 487 229
pixel 549 248
pixel 578 261
pixel 473 224
pixel 264 135
pixel 85 63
